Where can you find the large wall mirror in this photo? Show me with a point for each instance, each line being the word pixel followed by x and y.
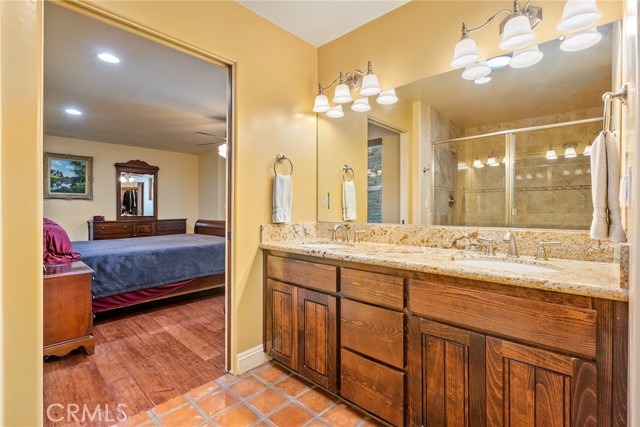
pixel 136 190
pixel 508 127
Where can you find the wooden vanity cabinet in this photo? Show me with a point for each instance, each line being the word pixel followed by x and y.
pixel 301 320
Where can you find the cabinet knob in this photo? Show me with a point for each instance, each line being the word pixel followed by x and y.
pixel 124 226
pixel 101 228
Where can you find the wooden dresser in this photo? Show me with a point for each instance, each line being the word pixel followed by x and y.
pixel 101 230
pixel 68 320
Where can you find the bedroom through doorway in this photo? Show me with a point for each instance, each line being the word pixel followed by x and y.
pixel 137 138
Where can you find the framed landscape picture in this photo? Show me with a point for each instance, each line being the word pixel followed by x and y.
pixel 68 177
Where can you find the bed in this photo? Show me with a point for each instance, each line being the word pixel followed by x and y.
pixel 142 269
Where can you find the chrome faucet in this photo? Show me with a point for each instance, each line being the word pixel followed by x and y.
pixel 489 242
pixel 345 233
pixel 541 253
pixel 513 249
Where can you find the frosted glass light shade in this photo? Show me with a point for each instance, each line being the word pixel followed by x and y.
pixel 361 105
pixel 482 80
pixel 370 85
pixel 476 71
pixel 570 152
pixel 551 155
pixel 477 164
pixel 387 97
pixel 526 57
pixel 491 161
pixel 578 14
pixel 336 112
pixel 465 53
pixel 342 94
pixel 322 104
pixel 587 150
pixel 222 150
pixel 517 33
pixel 581 40
pixel 498 62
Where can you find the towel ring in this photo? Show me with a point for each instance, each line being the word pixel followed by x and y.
pixel 279 159
pixel 345 173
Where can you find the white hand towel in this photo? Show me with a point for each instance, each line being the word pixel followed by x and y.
pixel 348 201
pixel 599 228
pixel 616 232
pixel 281 199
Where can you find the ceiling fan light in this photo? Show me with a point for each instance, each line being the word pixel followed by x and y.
pixel 370 85
pixel 342 94
pixel 361 105
pixel 387 97
pixel 582 40
pixel 322 104
pixel 465 53
pixel 222 150
pixel 336 112
pixel 476 71
pixel 517 33
pixel 578 14
pixel 526 57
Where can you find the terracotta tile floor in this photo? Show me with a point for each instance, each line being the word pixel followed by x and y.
pixel 266 396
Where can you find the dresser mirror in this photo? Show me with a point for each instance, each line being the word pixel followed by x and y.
pixel 136 190
pixel 443 124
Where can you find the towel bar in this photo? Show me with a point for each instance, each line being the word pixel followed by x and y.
pixel 608 97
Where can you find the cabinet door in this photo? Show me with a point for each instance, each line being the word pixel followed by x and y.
pixel 317 337
pixel 446 375
pixel 529 387
pixel 280 325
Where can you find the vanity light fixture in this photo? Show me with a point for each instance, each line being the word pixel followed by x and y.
pixel 364 81
pixel 477 163
pixel 498 62
pixel 482 80
pixel 587 150
pixel 551 154
pixel 476 71
pixel 517 33
pixel 73 112
pixel 462 166
pixel 108 57
pixel 526 57
pixel 580 41
pixel 570 151
pixel 491 161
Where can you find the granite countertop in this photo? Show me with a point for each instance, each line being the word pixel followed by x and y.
pixel 594 279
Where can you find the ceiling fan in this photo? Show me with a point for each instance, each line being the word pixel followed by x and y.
pixel 222 138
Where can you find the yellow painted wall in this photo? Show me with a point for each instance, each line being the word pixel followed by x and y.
pixel 212 190
pixel 21 211
pixel 178 183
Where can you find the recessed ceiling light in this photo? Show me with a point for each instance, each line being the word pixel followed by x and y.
pixel 498 62
pixel 107 57
pixel 73 112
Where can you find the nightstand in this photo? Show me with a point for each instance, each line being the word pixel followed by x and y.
pixel 68 320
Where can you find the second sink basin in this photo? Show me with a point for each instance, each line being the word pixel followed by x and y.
pixel 504 265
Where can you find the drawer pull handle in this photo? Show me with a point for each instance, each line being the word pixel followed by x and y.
pixel 101 228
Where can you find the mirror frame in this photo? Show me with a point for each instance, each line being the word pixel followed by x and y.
pixel 136 167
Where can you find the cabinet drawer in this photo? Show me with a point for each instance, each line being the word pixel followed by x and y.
pixel 376 288
pixel 141 229
pixel 171 226
pixel 111 229
pixel 565 328
pixel 374 387
pixel 309 274
pixel 373 331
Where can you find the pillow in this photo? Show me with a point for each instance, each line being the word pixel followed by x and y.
pixel 56 245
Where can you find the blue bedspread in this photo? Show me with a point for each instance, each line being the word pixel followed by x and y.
pixel 124 265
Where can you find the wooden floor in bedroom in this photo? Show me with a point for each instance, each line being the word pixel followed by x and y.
pixel 144 356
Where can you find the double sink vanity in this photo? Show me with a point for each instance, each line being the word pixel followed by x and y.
pixel 430 336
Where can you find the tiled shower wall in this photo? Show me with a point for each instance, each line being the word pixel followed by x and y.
pixel 548 193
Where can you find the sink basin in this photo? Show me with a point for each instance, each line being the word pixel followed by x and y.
pixel 322 245
pixel 503 265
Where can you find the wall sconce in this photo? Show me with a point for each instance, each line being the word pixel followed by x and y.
pixel 365 81
pixel 517 32
pixel 570 151
pixel 491 161
pixel 551 154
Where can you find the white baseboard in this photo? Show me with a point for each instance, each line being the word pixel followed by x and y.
pixel 251 358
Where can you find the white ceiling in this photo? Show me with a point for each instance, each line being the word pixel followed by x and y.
pixel 319 22
pixel 156 97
